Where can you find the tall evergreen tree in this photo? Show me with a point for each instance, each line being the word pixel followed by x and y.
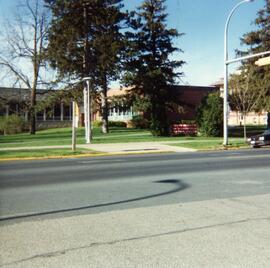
pixel 259 41
pixel 150 71
pixel 107 48
pixel 85 40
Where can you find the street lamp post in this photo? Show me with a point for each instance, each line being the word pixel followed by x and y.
pixel 87 116
pixel 74 126
pixel 226 64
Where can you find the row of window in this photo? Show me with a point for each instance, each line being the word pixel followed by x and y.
pixel 121 111
pixel 53 113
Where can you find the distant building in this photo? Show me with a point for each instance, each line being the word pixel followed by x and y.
pixel 189 96
pixel 14 100
pixel 118 111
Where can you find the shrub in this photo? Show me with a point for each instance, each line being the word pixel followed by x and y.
pixel 2 123
pixel 138 121
pixel 12 124
pixel 184 121
pixel 210 116
pixel 111 124
pixel 97 124
pixel 117 124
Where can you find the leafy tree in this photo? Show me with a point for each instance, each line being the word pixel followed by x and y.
pixel 22 50
pixel 149 68
pixel 85 41
pixel 210 115
pixel 259 41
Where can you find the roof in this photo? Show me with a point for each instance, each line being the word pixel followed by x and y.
pixel 194 88
pixel 123 91
pixel 19 93
pixel 218 83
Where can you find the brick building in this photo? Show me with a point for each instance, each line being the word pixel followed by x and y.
pixel 189 96
pixel 13 100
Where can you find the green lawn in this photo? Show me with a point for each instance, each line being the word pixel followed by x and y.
pixel 212 144
pixel 238 131
pixel 62 136
pixel 43 153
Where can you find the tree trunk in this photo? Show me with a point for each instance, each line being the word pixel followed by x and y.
pixel 32 112
pixel 245 128
pixel 104 106
pixel 268 120
pixel 36 65
pixel 158 125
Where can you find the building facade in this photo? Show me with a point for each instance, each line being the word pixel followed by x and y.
pixel 14 101
pixel 189 97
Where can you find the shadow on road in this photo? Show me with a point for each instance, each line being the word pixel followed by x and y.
pixel 179 186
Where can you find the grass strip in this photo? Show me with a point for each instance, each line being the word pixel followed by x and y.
pixel 43 153
pixel 210 145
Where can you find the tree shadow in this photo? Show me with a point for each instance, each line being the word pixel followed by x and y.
pixel 178 186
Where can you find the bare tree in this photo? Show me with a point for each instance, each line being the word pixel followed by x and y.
pixel 22 47
pixel 247 95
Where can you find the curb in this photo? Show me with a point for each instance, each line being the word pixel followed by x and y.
pixel 81 156
pixel 233 148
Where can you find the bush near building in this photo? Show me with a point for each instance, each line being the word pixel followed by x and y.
pixel 140 122
pixel 12 124
pixel 111 124
pixel 210 116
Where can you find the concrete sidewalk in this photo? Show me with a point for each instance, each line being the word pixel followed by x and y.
pixel 231 232
pixel 131 147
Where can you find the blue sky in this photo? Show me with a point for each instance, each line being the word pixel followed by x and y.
pixel 203 22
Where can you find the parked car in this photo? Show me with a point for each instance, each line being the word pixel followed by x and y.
pixel 260 140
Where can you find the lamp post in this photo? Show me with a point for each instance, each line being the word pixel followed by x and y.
pixel 87 116
pixel 73 126
pixel 226 64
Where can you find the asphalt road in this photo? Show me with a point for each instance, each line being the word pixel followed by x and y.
pixel 59 188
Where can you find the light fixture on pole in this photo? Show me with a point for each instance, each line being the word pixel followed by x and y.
pixel 226 63
pixel 263 61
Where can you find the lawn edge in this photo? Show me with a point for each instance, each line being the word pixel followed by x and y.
pixel 80 156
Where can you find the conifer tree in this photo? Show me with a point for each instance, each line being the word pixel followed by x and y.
pixel 149 69
pixel 85 41
pixel 107 48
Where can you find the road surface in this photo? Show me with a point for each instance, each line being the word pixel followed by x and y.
pixel 60 188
